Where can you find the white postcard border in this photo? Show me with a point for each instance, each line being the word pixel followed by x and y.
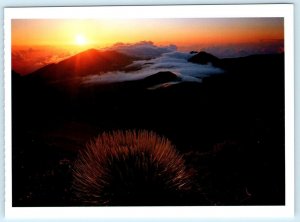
pixel 135 12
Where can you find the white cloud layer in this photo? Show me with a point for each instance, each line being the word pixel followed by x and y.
pixel 143 49
pixel 166 58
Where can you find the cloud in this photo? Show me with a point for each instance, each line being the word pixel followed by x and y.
pixel 143 49
pixel 26 60
pixel 265 46
pixel 177 62
pixel 169 60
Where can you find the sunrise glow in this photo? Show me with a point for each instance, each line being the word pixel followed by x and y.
pixel 80 40
pixel 181 32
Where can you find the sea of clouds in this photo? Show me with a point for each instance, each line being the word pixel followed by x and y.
pixel 143 49
pixel 155 59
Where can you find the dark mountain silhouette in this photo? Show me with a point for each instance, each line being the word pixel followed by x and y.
pixel 204 58
pixel 89 62
pixel 15 76
pixel 159 78
pixel 230 127
pixel 253 64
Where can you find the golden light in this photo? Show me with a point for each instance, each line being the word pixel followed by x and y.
pixel 80 40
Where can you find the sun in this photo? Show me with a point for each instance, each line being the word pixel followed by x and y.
pixel 80 40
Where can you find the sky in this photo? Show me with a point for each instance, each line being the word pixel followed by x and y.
pixel 161 31
pixel 55 39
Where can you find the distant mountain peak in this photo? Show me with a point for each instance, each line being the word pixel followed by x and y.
pixel 204 58
pixel 160 78
pixel 88 52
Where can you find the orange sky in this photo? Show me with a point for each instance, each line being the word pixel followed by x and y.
pixel 181 32
pixel 36 43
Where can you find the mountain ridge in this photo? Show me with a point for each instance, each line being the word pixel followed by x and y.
pixel 91 61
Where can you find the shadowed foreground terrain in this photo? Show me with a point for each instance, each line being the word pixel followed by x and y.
pixel 227 129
